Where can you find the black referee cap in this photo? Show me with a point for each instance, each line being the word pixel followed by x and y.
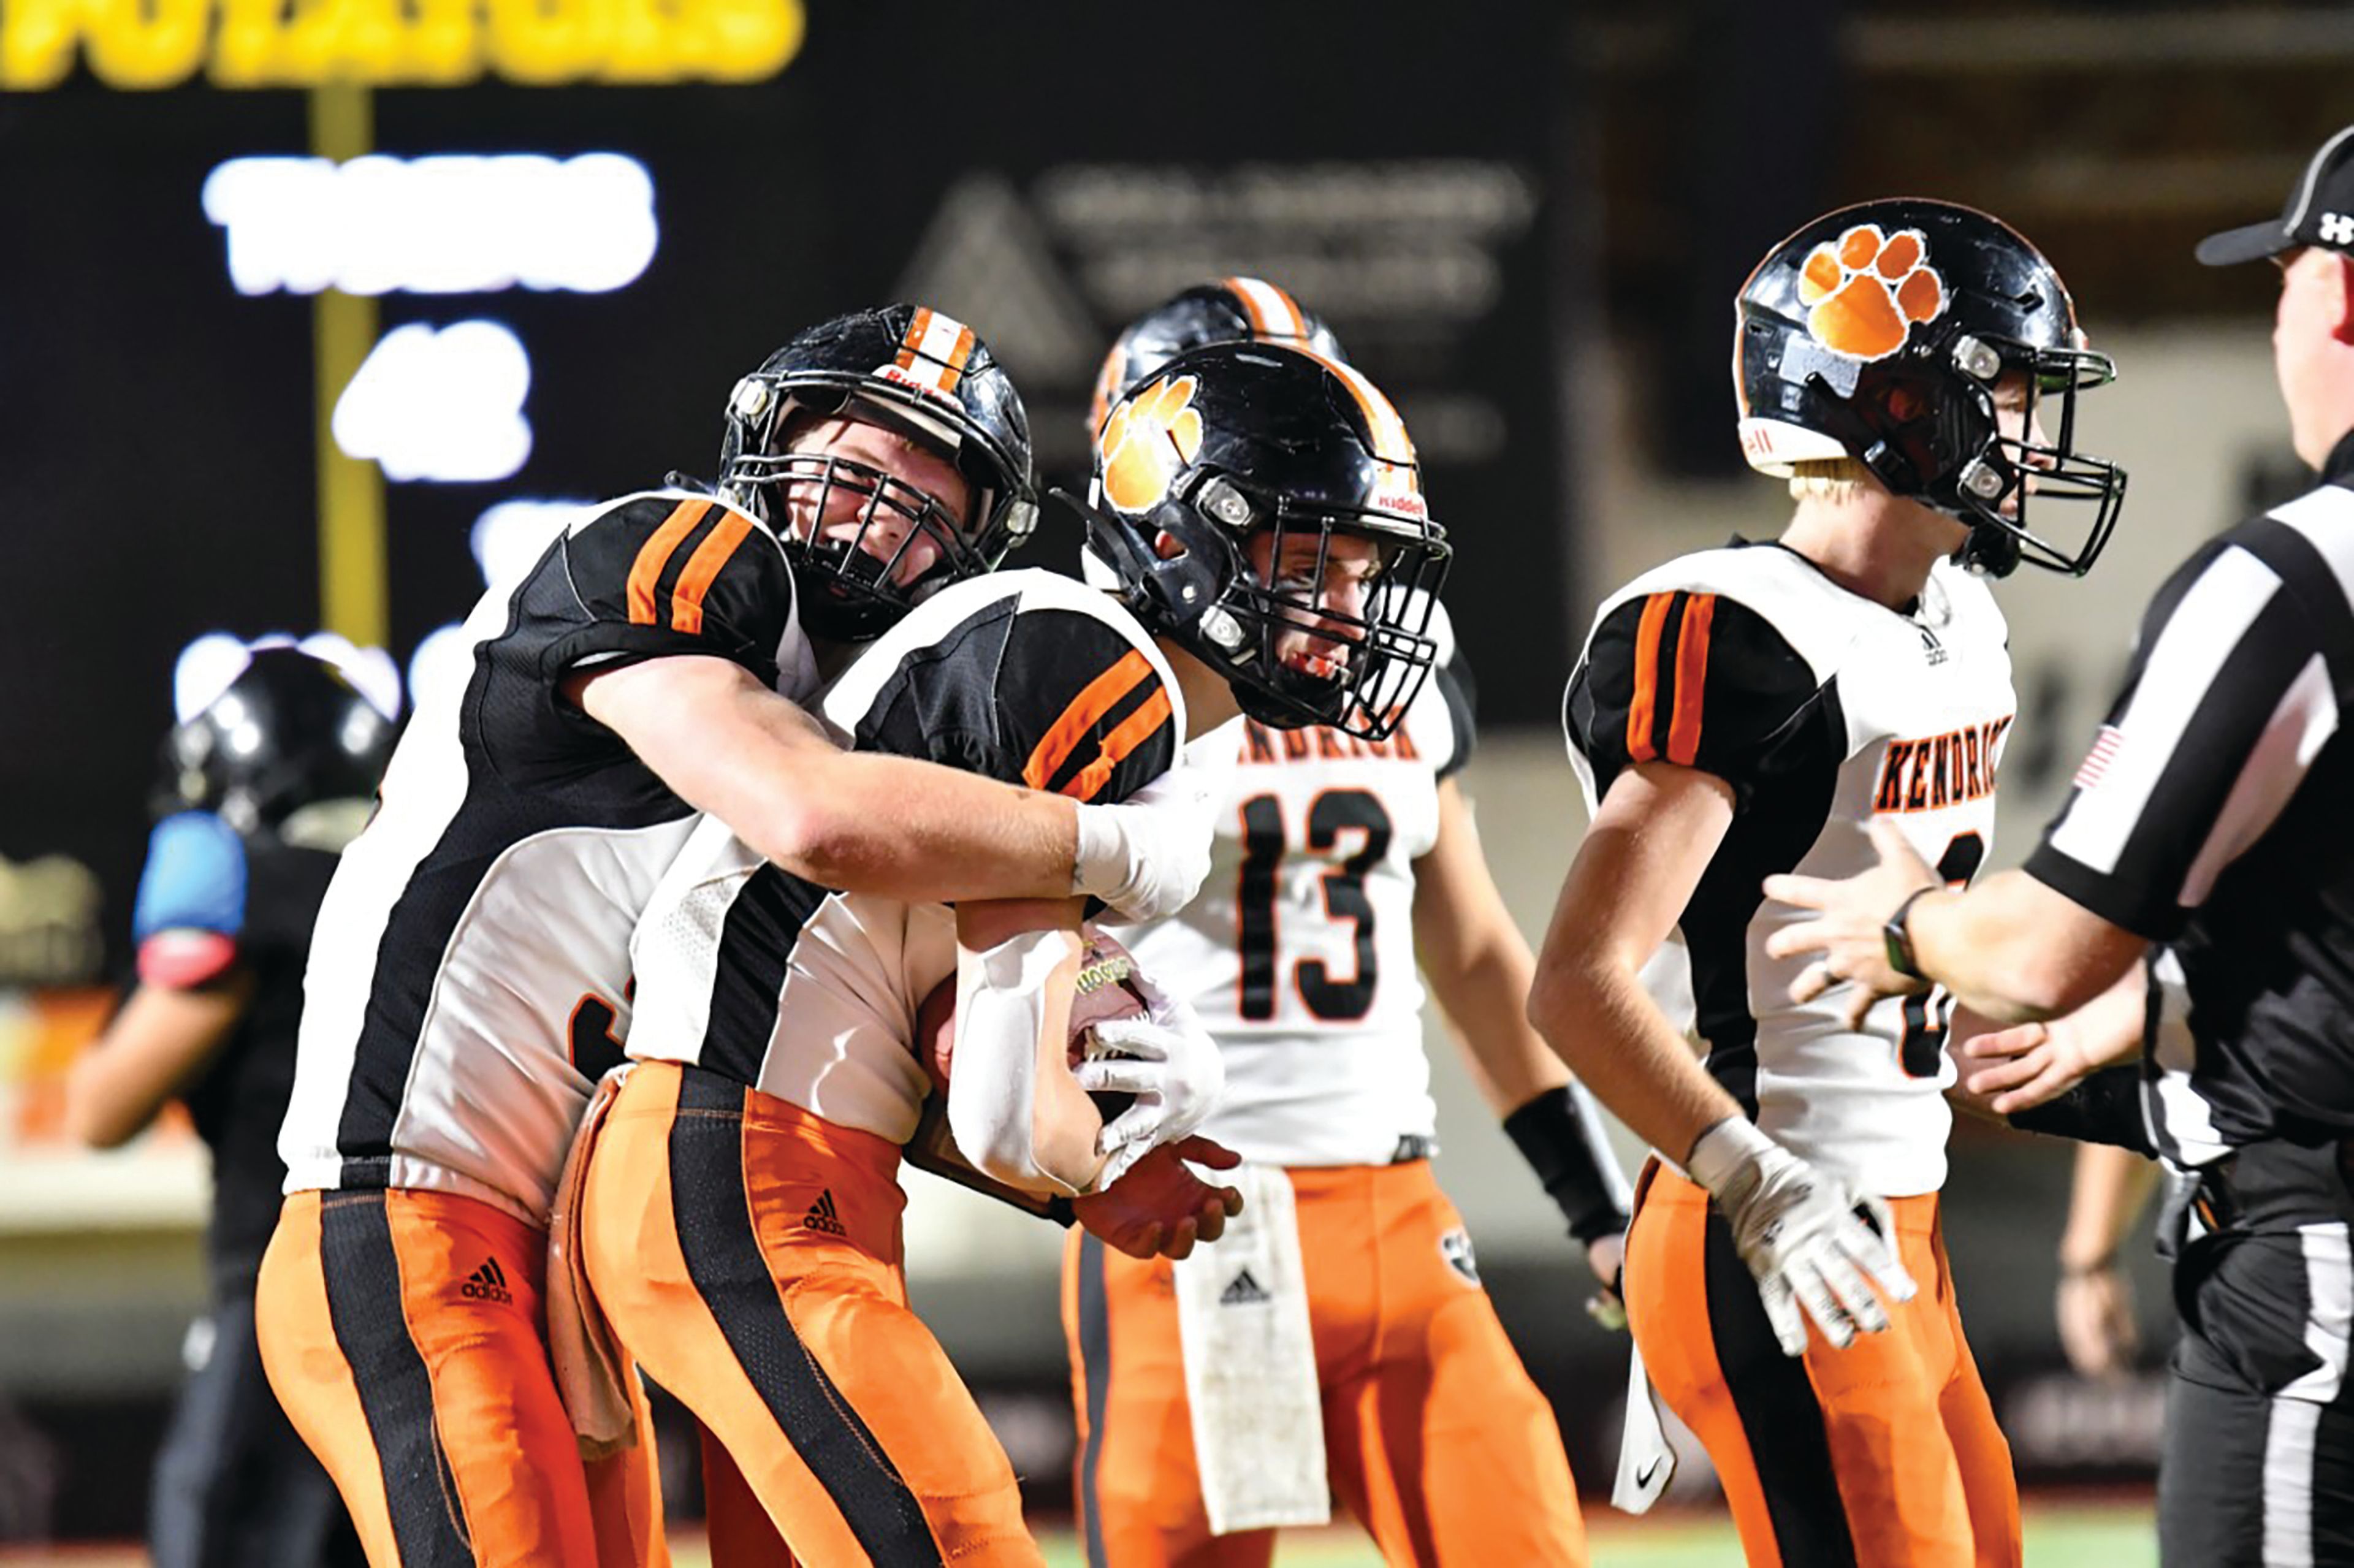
pixel 2320 211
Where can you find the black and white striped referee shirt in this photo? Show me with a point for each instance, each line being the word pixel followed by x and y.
pixel 2213 814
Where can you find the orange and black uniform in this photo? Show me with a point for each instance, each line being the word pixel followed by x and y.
pixel 741 1218
pixel 1823 713
pixel 468 984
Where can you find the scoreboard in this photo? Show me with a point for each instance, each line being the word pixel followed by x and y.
pixel 312 310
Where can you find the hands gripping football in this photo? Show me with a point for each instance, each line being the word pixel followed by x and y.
pixel 1154 1070
pixel 1155 1074
pixel 1817 1249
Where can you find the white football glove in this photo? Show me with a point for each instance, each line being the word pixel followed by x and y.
pixel 1800 1234
pixel 1145 857
pixel 1168 1061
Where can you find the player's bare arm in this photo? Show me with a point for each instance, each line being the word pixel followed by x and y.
pixel 1478 963
pixel 1657 829
pixel 868 822
pixel 1478 966
pixel 1633 873
pixel 154 1047
pixel 2011 948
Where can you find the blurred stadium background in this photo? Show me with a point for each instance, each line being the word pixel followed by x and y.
pixel 311 315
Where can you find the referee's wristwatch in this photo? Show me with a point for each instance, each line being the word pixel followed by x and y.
pixel 1899 939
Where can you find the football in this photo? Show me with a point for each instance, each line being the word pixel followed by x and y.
pixel 1106 989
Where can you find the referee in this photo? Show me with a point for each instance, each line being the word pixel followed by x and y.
pixel 2214 818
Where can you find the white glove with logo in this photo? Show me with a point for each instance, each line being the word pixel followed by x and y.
pixel 1168 1061
pixel 1801 1234
pixel 1145 857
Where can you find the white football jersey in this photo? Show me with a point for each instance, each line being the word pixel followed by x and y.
pixel 1298 953
pixel 812 995
pixel 1823 710
pixel 469 980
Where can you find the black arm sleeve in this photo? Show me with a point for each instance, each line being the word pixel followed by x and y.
pixel 1049 697
pixel 660 574
pixel 1690 678
pixel 1564 1144
pixel 2105 1108
pixel 652 576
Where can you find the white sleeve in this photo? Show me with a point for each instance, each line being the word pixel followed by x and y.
pixel 1001 1014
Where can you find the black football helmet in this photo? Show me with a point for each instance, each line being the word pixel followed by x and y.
pixel 910 369
pixel 1232 310
pixel 1239 441
pixel 290 731
pixel 1878 332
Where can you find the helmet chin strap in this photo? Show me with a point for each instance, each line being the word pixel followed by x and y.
pixel 1990 549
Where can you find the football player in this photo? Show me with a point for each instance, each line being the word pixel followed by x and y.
pixel 472 976
pixel 742 1211
pixel 1747 710
pixel 262 786
pixel 1342 858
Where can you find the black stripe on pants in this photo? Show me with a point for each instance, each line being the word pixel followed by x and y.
pixel 1788 1442
pixel 363 1303
pixel 1095 1361
pixel 715 1237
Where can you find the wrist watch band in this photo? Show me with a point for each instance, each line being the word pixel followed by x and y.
pixel 1900 940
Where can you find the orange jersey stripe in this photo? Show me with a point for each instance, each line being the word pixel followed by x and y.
pixel 1692 679
pixel 1085 710
pixel 709 559
pixel 1131 732
pixel 1644 705
pixel 655 553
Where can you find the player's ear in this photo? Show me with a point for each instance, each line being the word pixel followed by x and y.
pixel 1167 545
pixel 2344 329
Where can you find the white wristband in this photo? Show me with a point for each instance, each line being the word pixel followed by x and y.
pixel 1101 866
pixel 1725 1150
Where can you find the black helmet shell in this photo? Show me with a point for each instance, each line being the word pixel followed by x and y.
pixel 1879 333
pixel 913 369
pixel 1232 310
pixel 1235 438
pixel 289 731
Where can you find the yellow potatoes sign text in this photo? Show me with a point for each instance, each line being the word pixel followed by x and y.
pixel 395 43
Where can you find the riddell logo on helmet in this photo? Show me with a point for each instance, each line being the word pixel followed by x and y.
pixel 893 374
pixel 1867 290
pixel 1146 441
pixel 1404 502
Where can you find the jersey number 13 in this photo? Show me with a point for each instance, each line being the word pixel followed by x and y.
pixel 1335 999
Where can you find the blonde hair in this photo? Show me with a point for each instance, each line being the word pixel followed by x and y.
pixel 1828 479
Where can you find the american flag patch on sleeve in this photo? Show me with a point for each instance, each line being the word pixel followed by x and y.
pixel 2096 761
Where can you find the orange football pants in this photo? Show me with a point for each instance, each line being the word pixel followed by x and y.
pixel 405 1334
pixel 1435 1438
pixel 747 1253
pixel 1882 1453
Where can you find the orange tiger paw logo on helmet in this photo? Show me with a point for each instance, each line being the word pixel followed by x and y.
pixel 1867 290
pixel 1147 440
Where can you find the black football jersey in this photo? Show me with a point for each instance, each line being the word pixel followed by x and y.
pixel 471 976
pixel 810 995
